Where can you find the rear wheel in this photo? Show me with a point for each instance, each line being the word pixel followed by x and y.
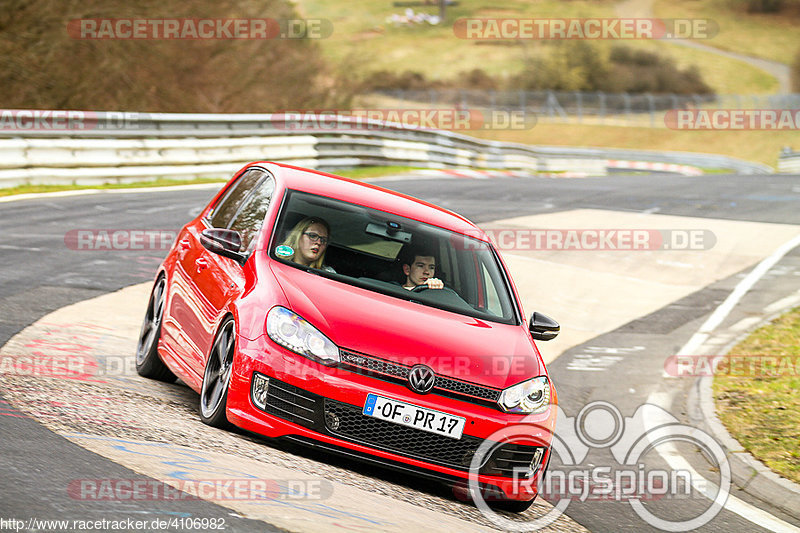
pixel 148 363
pixel 217 377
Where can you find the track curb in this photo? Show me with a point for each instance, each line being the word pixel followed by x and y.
pixel 747 473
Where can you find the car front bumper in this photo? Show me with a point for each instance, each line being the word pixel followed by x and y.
pixel 321 406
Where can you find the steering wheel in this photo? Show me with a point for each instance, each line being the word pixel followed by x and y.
pixel 420 288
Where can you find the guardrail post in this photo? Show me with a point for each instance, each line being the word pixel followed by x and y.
pixel 602 98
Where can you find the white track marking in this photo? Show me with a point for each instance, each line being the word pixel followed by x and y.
pixel 725 308
pixel 676 461
pixel 708 489
pixel 784 303
pixel 745 323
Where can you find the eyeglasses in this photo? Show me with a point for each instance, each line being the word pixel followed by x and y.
pixel 316 237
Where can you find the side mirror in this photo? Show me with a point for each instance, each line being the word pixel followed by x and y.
pixel 543 328
pixel 224 242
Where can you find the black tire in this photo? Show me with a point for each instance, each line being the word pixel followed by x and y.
pixel 512 506
pixel 148 363
pixel 217 377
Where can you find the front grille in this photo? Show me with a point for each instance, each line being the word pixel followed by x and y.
pixel 373 364
pixel 292 403
pixel 466 388
pixel 508 457
pixel 396 372
pixel 349 423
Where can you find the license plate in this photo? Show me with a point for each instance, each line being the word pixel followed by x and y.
pixel 414 416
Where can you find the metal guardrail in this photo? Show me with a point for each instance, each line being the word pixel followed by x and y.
pixel 135 147
pixel 789 162
pixel 582 107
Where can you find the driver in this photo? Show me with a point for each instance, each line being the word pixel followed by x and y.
pixel 419 266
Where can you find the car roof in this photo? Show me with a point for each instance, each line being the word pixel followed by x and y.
pixel 366 194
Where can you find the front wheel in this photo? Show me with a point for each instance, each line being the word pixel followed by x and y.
pixel 148 363
pixel 217 377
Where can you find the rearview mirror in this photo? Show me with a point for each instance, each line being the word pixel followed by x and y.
pixel 224 242
pixel 543 328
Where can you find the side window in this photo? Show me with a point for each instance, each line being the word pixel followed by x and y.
pixel 492 298
pixel 493 287
pixel 227 207
pixel 251 215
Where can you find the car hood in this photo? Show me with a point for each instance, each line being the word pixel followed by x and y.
pixel 459 346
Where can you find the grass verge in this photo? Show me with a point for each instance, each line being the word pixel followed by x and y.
pixel 761 409
pixel 759 146
pixel 34 189
pixel 767 35
pixel 354 173
pixel 361 173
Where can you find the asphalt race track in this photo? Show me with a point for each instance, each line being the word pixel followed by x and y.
pixel 623 314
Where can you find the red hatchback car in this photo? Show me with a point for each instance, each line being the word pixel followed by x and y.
pixel 358 320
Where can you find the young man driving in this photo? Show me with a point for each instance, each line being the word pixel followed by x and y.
pixel 419 266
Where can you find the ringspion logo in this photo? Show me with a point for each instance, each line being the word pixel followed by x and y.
pixel 603 455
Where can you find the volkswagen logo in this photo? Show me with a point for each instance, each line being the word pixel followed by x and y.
pixel 421 379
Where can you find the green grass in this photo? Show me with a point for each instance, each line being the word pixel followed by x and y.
pixel 772 36
pixel 361 173
pixel 760 146
pixel 354 173
pixel 363 41
pixel 33 189
pixel 363 36
pixel 762 411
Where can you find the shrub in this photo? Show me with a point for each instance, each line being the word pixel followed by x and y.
pixel 41 66
pixel 580 66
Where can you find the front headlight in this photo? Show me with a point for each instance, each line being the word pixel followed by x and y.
pixel 291 331
pixel 532 396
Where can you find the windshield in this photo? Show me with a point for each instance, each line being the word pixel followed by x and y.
pixel 392 255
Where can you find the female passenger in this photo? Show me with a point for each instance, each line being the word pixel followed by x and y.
pixel 308 242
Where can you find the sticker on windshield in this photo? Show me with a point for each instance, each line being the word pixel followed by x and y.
pixel 284 251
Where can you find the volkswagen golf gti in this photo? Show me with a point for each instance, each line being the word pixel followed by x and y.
pixel 357 320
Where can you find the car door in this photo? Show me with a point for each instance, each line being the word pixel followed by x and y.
pixel 193 316
pixel 218 280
